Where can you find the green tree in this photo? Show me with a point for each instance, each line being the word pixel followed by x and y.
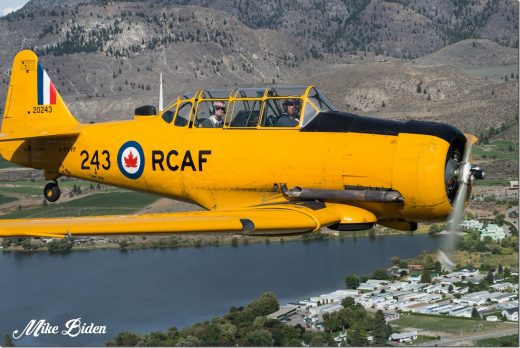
pixel 380 274
pixel 489 277
pixel 283 335
pixel 352 281
pixel 315 339
pixel 333 322
pixel 499 219
pixel 266 304
pixel 357 337
pixel 438 267
pixel 425 276
pixel 429 263
pixel 123 245
pixel 395 260
pixel 28 245
pixel 348 302
pixel 60 245
pixel 189 341
pixel 127 339
pixel 379 331
pixel 259 338
pixel 474 313
pixel 155 339
pixel 8 341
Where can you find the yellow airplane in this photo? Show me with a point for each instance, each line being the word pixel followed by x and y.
pixel 274 160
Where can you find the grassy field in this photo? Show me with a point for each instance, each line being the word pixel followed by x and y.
pixel 495 73
pixel 421 339
pixel 98 204
pixel 445 324
pixel 30 188
pixel 477 259
pixel 504 341
pixel 6 164
pixel 497 149
pixel 492 182
pixel 6 199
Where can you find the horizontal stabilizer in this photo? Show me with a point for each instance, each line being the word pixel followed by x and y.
pixel 36 135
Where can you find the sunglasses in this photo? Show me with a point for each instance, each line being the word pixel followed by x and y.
pixel 223 108
pixel 290 104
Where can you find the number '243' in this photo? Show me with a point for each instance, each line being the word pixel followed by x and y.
pixel 95 160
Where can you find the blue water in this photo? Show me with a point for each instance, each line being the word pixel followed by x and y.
pixel 152 290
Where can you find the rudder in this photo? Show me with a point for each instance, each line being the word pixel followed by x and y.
pixel 33 103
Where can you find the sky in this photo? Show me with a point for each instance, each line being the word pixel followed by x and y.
pixel 8 6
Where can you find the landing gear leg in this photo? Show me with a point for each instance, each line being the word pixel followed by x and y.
pixel 52 191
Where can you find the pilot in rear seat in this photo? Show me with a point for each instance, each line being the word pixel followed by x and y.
pixel 291 115
pixel 216 120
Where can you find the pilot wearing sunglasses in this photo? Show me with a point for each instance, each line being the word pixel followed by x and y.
pixel 216 120
pixel 291 115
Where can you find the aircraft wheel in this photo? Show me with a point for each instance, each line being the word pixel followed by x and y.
pixel 51 192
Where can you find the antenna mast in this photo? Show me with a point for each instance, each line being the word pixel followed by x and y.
pixel 161 95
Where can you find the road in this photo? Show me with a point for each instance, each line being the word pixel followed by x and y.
pixel 467 339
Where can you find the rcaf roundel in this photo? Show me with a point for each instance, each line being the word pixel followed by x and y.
pixel 130 160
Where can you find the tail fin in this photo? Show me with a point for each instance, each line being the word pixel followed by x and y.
pixel 34 106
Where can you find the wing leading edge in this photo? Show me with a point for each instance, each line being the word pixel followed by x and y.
pixel 267 219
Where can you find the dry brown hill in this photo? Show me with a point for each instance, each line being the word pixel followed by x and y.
pixel 105 57
pixel 472 54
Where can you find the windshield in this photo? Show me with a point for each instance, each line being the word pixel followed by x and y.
pixel 316 102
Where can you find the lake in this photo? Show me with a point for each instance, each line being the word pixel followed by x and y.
pixel 154 289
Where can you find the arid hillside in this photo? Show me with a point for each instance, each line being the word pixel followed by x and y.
pixel 105 56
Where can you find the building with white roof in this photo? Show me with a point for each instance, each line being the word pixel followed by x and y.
pixel 493 231
pixel 414 279
pixel 473 299
pixel 330 308
pixel 506 286
pixel 403 337
pixel 431 298
pixel 367 286
pixel 506 305
pixel 461 311
pixel 336 296
pixel 471 225
pixel 511 314
pixel 438 288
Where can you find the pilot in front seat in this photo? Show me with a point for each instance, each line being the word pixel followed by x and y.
pixel 216 120
pixel 291 115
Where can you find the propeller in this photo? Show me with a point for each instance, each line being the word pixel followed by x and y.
pixel 464 174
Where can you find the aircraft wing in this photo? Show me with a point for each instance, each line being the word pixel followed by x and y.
pixel 266 219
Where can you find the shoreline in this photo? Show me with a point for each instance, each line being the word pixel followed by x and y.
pixel 138 242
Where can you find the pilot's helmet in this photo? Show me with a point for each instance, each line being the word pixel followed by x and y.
pixel 291 102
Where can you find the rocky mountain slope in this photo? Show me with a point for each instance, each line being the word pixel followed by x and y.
pixel 105 56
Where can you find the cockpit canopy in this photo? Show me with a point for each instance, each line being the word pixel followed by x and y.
pixel 271 107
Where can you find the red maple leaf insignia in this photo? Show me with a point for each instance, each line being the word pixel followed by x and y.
pixel 130 161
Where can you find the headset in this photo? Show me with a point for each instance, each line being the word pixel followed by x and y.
pixel 297 105
pixel 212 109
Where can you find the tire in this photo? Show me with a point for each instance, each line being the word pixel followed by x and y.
pixel 51 192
